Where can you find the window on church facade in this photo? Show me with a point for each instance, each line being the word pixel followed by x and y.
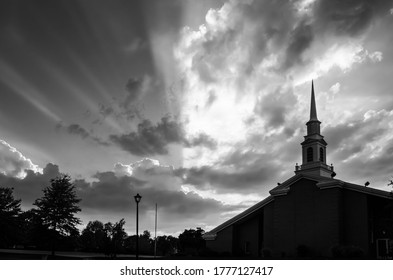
pixel 309 154
pixel 321 154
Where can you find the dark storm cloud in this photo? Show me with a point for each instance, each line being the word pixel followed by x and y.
pixel 109 193
pixel 112 194
pixel 207 177
pixel 30 187
pixel 379 167
pixel 239 171
pixel 150 139
pixel 105 111
pixel 130 106
pixel 134 91
pixel 347 151
pixel 350 17
pixel 190 205
pixel 354 142
pixel 274 106
pixel 363 148
pixel 357 133
pixel 299 40
pixel 245 158
pixel 76 129
pixel 340 133
pixel 289 131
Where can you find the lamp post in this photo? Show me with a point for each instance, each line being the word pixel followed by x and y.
pixel 137 198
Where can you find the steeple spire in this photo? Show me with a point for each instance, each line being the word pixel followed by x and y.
pixel 313 125
pixel 313 109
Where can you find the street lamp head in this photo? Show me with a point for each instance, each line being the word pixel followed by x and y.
pixel 137 198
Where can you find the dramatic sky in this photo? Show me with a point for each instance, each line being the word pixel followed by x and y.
pixel 199 106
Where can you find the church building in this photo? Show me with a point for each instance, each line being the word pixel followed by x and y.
pixel 311 215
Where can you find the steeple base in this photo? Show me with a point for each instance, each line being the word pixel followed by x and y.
pixel 315 168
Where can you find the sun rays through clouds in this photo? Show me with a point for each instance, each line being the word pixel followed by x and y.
pixel 199 105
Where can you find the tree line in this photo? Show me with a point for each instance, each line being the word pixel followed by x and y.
pixel 52 225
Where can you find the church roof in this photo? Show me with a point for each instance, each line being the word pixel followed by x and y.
pixel 212 234
pixel 284 188
pixel 325 183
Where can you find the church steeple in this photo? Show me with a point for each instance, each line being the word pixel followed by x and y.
pixel 313 108
pixel 313 125
pixel 314 146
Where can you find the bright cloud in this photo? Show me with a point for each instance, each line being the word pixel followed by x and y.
pixel 243 61
pixel 136 167
pixel 335 88
pixel 14 163
pixel 243 75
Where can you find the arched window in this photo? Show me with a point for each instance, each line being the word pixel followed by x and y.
pixel 309 154
pixel 321 154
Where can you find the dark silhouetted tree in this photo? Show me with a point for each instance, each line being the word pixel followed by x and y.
pixel 10 227
pixel 130 244
pixel 146 234
pixel 146 245
pixel 94 237
pixel 116 237
pixel 191 241
pixel 166 245
pixel 35 234
pixel 57 208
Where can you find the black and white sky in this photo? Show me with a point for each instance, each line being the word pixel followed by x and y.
pixel 200 106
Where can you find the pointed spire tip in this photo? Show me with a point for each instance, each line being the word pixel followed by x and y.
pixel 313 109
